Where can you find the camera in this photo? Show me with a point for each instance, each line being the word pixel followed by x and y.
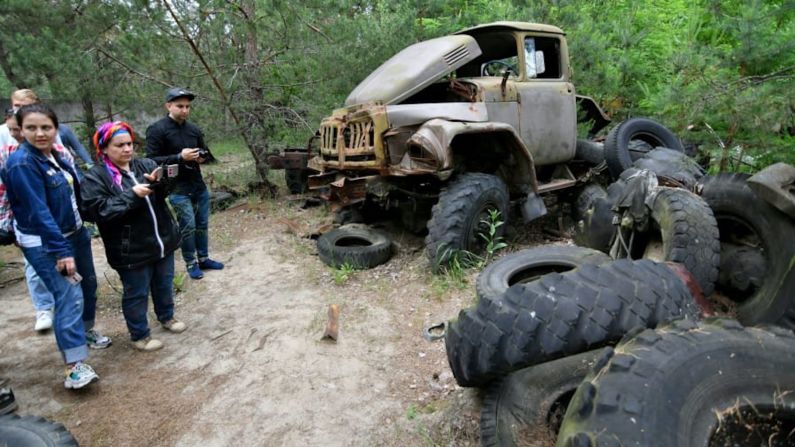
pixel 203 153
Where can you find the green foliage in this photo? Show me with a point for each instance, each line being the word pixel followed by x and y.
pixel 343 273
pixel 494 243
pixel 284 66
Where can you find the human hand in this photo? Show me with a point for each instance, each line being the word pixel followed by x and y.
pixel 66 266
pixel 190 154
pixel 141 190
pixel 155 175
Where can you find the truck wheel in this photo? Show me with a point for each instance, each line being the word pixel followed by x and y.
pixel 296 180
pixel 688 384
pixel 593 218
pixel 24 431
pixel 652 133
pixel 562 314
pixel 746 220
pixel 458 220
pixel 354 245
pixel 527 406
pixel 684 231
pixel 528 265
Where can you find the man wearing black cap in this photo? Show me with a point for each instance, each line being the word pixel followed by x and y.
pixel 173 140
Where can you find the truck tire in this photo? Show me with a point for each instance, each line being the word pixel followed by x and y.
pixel 671 164
pixel 617 144
pixel 562 314
pixel 528 405
pixel 684 231
pixel 456 219
pixel 528 265
pixel 354 245
pixel 746 220
pixel 688 384
pixel 29 431
pixel 593 218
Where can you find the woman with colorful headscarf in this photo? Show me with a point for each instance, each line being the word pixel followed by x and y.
pixel 123 196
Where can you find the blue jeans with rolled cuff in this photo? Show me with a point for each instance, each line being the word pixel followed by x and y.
pixel 69 313
pixel 157 277
pixel 193 216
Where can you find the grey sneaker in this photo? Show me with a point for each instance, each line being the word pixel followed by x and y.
pixel 174 325
pixel 95 340
pixel 78 376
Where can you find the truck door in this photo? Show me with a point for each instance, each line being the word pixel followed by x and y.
pixel 548 111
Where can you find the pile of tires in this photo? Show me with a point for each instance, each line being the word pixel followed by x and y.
pixel 540 314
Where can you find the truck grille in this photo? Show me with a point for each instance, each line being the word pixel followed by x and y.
pixel 348 144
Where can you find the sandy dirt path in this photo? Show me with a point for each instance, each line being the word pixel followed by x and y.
pixel 251 369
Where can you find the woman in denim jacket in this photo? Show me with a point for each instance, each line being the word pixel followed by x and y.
pixel 44 194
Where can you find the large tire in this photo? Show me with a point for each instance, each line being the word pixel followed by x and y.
pixel 671 164
pixel 354 245
pixel 746 220
pixel 688 385
pixel 562 314
pixel 593 218
pixel 684 231
pixel 528 265
pixel 527 406
pixel 617 144
pixel 33 431
pixel 457 219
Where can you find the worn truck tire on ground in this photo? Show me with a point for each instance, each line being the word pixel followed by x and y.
pixel 528 405
pixel 562 314
pixel 354 245
pixel 688 384
pixel 685 231
pixel 617 150
pixel 746 220
pixel 30 431
pixel 457 217
pixel 529 265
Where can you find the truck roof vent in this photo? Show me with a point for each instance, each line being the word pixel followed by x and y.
pixel 456 55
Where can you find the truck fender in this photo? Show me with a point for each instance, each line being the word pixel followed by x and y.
pixel 436 137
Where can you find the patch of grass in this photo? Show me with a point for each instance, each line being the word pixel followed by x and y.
pixel 179 282
pixel 343 273
pixel 226 147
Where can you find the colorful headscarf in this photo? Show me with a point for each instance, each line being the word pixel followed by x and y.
pixel 102 137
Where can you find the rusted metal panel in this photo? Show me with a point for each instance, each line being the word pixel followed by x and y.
pixel 289 160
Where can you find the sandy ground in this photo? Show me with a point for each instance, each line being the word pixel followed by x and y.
pixel 251 369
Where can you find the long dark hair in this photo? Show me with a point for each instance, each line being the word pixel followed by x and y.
pixel 44 109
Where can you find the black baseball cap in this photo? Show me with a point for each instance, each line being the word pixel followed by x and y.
pixel 179 92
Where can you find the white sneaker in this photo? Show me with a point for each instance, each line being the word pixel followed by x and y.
pixel 43 320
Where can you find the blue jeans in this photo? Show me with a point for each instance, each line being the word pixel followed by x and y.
pixel 193 216
pixel 157 277
pixel 84 261
pixel 69 306
pixel 41 297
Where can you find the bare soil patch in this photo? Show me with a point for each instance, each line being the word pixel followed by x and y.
pixel 251 369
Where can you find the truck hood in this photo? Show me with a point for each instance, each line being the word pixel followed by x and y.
pixel 413 69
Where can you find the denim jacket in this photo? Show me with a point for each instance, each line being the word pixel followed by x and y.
pixel 41 198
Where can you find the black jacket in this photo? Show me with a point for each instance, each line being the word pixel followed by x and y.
pixel 165 139
pixel 134 230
